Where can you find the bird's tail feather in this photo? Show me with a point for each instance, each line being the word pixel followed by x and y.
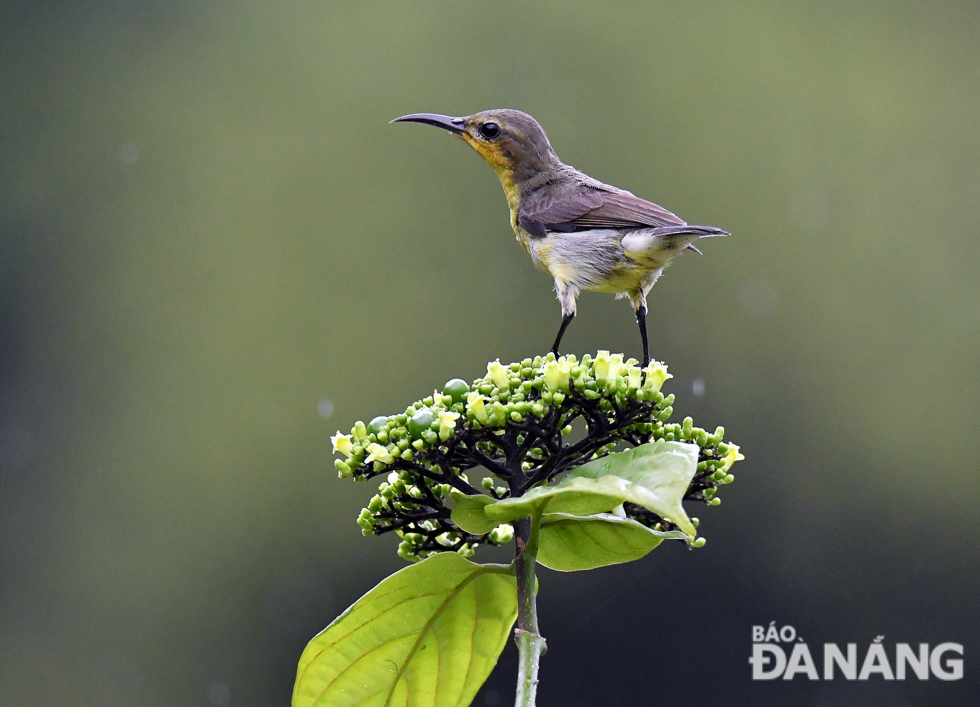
pixel 655 247
pixel 686 229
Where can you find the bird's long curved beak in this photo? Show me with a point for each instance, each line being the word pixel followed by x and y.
pixel 453 125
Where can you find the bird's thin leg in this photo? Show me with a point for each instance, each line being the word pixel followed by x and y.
pixel 561 332
pixel 641 320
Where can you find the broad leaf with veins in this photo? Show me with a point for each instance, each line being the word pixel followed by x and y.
pixel 427 636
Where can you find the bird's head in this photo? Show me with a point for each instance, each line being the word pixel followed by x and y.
pixel 510 141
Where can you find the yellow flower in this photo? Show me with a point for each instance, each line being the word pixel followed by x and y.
pixel 635 377
pixel 615 366
pixel 733 456
pixel 601 365
pixel 656 375
pixel 474 403
pixel 342 444
pixel 447 423
pixel 498 374
pixel 378 453
pixel 556 374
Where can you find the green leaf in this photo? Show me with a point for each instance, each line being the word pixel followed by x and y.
pixel 469 515
pixel 575 496
pixel 427 636
pixel 571 543
pixel 657 476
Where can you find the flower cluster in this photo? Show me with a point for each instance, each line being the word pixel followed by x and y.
pixel 518 422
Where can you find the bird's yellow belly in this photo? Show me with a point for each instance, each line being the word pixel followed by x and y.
pixel 590 260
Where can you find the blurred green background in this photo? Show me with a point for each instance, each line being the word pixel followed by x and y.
pixel 215 252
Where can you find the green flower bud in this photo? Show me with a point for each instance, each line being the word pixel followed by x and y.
pixel 343 470
pixel 497 413
pixel 665 415
pixel 714 501
pixel 487 483
pixel 430 437
pixel 360 431
pixel 502 534
pixel 700 542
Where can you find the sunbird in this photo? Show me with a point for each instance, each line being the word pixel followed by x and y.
pixel 585 234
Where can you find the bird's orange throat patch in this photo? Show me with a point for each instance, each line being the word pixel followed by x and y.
pixel 501 164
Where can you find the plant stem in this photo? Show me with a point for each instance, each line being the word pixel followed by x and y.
pixel 530 644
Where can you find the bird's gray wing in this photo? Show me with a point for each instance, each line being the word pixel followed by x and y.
pixel 585 205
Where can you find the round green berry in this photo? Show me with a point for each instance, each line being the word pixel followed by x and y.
pixel 457 389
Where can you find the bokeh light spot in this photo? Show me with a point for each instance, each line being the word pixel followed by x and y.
pixel 218 693
pixel 697 387
pixel 324 406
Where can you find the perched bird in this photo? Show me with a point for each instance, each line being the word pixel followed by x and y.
pixel 585 234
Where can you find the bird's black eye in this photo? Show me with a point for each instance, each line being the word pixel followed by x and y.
pixel 489 130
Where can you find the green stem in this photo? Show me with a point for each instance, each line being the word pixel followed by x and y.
pixel 530 644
